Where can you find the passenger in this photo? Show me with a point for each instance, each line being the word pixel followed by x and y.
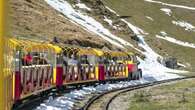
pixel 43 59
pixel 114 61
pixel 84 59
pixel 27 60
pixel 73 61
pixel 65 60
pixel 103 61
pixel 36 58
pixel 74 64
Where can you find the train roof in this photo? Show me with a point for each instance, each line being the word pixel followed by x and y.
pixel 77 50
pixel 30 46
pixel 115 53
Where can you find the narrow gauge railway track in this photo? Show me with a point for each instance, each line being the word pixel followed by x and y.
pixel 103 100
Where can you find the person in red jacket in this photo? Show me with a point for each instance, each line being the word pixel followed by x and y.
pixel 27 60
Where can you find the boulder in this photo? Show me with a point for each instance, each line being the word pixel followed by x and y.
pixel 171 63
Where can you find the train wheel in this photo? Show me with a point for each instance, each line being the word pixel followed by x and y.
pixel 140 73
pixel 130 76
pixel 16 104
pixel 134 76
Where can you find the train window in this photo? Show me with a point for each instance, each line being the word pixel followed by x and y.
pixel 59 59
pixel 129 57
pixel 35 58
pixel 91 59
pixel 17 61
pixel 120 58
pixel 40 58
pixel 83 59
pixel 100 60
pixel 65 59
pixel 73 60
pixel 114 59
pixel 105 61
pixel 135 59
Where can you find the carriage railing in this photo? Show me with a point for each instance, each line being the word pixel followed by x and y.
pixel 81 73
pixel 115 70
pixel 35 78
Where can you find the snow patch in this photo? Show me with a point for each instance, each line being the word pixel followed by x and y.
pixel 109 21
pixel 83 6
pixel 171 5
pixel 150 18
pixel 175 41
pixel 167 11
pixel 87 22
pixel 183 24
pixel 163 33
pixel 112 10
pixel 182 65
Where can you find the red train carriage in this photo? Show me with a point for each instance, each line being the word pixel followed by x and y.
pixel 33 68
pixel 115 68
pixel 76 65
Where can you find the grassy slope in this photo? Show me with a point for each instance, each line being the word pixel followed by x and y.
pixel 190 3
pixel 138 9
pixel 177 96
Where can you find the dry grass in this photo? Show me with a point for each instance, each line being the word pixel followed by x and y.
pixel 175 96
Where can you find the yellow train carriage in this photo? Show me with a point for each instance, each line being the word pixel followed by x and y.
pixel 115 66
pixel 76 65
pixel 33 64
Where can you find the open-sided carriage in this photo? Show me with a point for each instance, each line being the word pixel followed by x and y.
pixel 121 65
pixel 76 65
pixel 33 67
pixel 115 68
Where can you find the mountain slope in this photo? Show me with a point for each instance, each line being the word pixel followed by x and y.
pixel 168 31
pixel 150 17
pixel 35 19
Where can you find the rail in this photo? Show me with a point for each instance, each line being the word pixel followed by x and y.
pixel 126 89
